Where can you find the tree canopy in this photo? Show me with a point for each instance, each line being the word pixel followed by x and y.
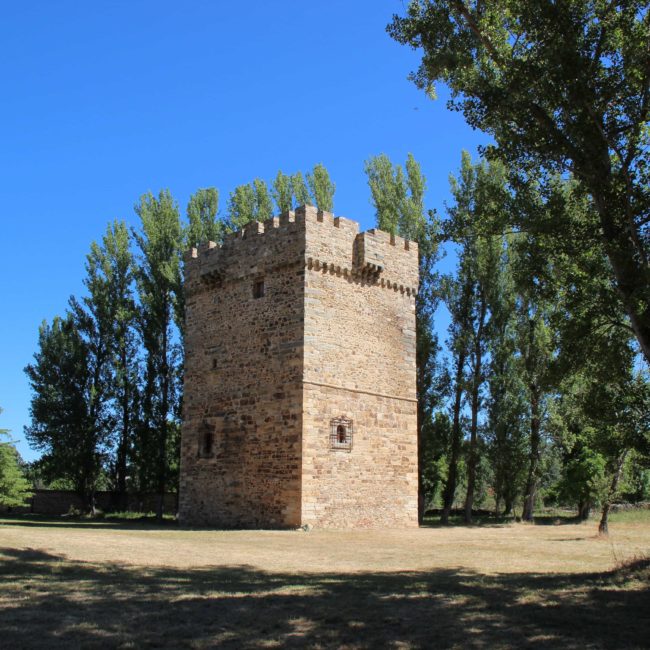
pixel 14 487
pixel 563 87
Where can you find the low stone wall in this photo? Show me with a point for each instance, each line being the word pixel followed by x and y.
pixel 60 502
pixel 622 507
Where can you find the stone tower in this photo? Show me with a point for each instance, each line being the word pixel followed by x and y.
pixel 300 400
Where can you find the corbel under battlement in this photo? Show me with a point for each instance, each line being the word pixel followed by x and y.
pixel 356 275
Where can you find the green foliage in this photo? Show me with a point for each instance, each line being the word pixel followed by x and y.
pixel 123 393
pixel 321 188
pixel 399 205
pixel 14 487
pixel 635 485
pixel 388 191
pixel 507 407
pixel 435 440
pixel 203 224
pixel 241 207
pixel 600 421
pixel 563 88
pixel 61 424
pixel 300 191
pixel 159 292
pixel 263 203
pixel 476 294
pixel 282 192
pixel 249 203
pixel 398 197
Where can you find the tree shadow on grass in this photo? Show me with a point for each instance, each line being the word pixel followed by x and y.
pixel 48 602
pixel 108 523
pixel 492 521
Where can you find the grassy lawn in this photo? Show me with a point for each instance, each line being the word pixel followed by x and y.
pixel 127 584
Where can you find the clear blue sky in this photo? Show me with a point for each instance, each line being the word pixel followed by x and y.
pixel 102 101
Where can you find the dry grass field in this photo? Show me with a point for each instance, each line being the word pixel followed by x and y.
pixel 92 584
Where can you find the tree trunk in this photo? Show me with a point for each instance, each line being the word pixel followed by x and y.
pixel 533 459
pixel 628 263
pixel 162 424
pixel 472 457
pixel 584 509
pixel 122 449
pixel 603 526
pixel 472 460
pixel 456 437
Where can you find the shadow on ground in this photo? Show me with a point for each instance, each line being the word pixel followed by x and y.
pixel 48 601
pixel 105 523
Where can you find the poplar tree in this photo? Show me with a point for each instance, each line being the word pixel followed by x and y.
pixel 481 197
pixel 249 203
pixel 282 192
pixel 119 271
pixel 457 293
pixel 535 347
pixel 398 199
pixel 159 293
pixel 203 224
pixel 506 430
pixel 263 202
pixel 300 191
pixel 241 207
pixel 321 188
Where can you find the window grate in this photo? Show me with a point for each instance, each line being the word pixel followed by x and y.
pixel 258 289
pixel 206 441
pixel 341 431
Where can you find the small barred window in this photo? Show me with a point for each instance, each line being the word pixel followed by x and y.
pixel 341 433
pixel 258 289
pixel 206 444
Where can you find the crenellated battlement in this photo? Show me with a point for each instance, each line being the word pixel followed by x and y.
pixel 317 240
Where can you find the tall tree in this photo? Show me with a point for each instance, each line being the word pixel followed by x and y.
pixel 562 86
pixel 388 191
pixel 159 289
pixel 203 224
pixel 106 318
pixel 300 191
pixel 506 401
pixel 568 310
pixel 263 203
pixel 535 348
pixel 249 203
pixel 457 292
pixel 241 207
pixel 399 206
pixel 61 426
pixel 480 197
pixel 282 192
pixel 14 487
pixel 321 188
pixel 118 270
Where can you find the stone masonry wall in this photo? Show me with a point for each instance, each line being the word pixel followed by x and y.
pixel 243 372
pixel 333 337
pixel 359 364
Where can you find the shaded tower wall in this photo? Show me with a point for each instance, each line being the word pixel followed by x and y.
pixel 359 368
pixel 241 447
